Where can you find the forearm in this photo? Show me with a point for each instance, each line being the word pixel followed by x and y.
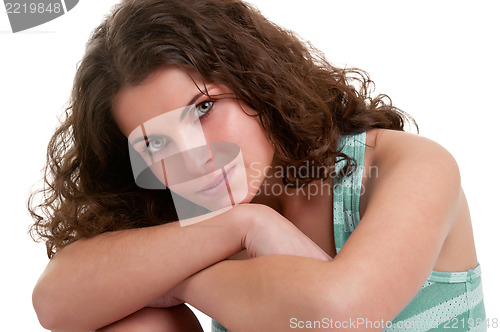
pixel 262 294
pixel 97 281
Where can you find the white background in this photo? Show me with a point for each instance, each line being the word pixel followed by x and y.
pixel 438 60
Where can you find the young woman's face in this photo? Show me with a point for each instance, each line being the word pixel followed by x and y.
pixel 173 121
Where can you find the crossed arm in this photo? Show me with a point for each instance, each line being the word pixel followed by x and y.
pixel 377 272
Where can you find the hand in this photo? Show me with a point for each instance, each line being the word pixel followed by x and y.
pixel 271 233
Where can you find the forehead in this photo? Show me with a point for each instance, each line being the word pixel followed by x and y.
pixel 164 90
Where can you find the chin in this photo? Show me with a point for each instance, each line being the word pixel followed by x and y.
pixel 248 199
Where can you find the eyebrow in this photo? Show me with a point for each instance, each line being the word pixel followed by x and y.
pixel 189 104
pixel 183 115
pixel 140 139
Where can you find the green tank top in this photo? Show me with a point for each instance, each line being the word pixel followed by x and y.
pixel 447 301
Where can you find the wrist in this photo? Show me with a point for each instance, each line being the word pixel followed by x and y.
pixel 246 220
pixel 253 223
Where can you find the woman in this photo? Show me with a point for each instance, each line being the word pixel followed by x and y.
pixel 120 258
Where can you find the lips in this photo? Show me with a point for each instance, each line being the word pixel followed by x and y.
pixel 214 185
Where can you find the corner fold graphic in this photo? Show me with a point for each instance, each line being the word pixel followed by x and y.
pixel 26 14
pixel 70 4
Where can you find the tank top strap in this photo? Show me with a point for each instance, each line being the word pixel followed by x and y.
pixel 347 191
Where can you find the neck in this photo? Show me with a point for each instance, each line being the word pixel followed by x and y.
pixel 283 199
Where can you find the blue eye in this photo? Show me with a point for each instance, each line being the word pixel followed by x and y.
pixel 204 108
pixel 156 144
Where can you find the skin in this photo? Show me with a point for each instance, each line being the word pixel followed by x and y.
pixel 340 288
pixel 176 318
pixel 172 88
pixel 410 195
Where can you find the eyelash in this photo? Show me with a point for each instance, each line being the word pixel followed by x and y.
pixel 148 143
pixel 207 113
pixel 201 118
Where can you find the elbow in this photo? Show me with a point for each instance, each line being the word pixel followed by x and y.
pixel 334 306
pixel 341 300
pixel 325 302
pixel 53 317
pixel 44 308
pixel 51 301
pixel 355 307
pixel 49 310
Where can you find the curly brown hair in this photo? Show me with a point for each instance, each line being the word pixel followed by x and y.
pixel 303 102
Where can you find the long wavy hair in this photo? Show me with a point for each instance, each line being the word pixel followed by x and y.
pixel 304 104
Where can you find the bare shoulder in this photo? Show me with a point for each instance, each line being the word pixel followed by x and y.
pixel 391 149
pixel 412 201
pixel 403 143
pixel 410 164
pixel 420 173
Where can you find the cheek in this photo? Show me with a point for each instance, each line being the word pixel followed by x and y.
pixel 252 140
pixel 229 123
pixel 235 126
pixel 258 154
pixel 258 160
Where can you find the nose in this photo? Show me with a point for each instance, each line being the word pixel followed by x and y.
pixel 194 157
pixel 197 161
